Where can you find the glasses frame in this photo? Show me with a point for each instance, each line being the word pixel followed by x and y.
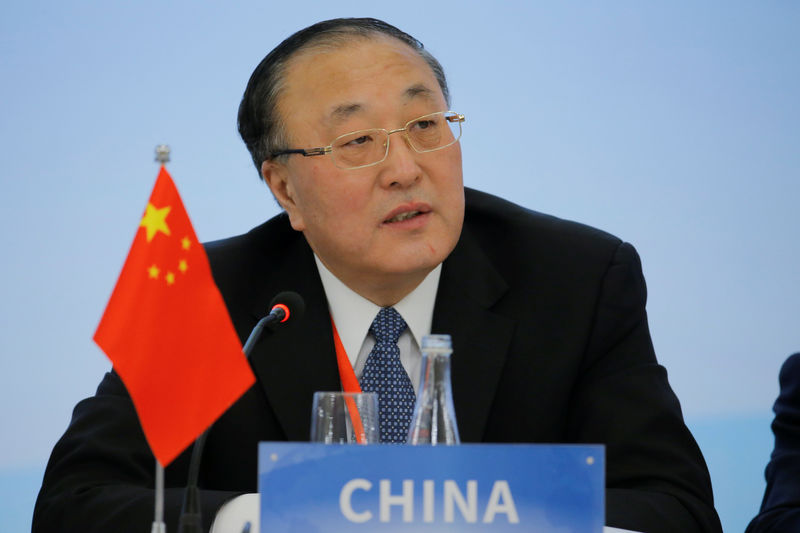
pixel 323 150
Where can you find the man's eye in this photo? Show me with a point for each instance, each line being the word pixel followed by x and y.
pixel 359 140
pixel 427 124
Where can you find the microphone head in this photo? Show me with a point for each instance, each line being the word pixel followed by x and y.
pixel 291 303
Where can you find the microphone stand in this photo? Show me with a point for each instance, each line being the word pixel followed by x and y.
pixel 191 516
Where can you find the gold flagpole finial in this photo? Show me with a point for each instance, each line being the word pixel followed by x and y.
pixel 162 154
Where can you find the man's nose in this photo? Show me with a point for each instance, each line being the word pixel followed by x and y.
pixel 400 167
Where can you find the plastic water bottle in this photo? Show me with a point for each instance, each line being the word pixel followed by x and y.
pixel 434 418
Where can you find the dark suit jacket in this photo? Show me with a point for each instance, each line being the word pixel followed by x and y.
pixel 551 344
pixel 780 509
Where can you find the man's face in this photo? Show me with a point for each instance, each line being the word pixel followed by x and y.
pixel 353 219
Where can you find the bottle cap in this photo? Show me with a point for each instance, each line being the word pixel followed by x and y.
pixel 437 343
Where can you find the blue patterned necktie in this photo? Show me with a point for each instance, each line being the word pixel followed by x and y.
pixel 384 373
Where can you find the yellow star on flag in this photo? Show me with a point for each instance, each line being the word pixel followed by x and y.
pixel 155 220
pixel 170 277
pixel 153 272
pixel 183 266
pixel 186 243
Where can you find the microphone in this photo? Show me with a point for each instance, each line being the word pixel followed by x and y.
pixel 287 305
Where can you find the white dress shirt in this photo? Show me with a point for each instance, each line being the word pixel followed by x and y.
pixel 353 314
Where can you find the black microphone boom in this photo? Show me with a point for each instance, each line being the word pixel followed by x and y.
pixel 285 306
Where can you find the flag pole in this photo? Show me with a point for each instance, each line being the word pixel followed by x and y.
pixel 158 520
pixel 162 158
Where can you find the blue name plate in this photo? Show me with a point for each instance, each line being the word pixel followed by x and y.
pixel 321 488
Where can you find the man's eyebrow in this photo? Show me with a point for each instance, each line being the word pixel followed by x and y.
pixel 419 90
pixel 342 112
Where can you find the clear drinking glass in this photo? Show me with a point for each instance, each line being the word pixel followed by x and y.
pixel 345 418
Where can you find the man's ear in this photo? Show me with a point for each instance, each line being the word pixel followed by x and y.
pixel 276 176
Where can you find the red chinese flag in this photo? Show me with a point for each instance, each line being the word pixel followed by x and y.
pixel 167 331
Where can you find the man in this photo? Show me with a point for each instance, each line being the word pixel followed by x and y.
pixel 348 124
pixel 780 509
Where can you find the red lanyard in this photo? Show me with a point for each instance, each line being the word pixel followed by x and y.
pixel 349 384
pixel 346 373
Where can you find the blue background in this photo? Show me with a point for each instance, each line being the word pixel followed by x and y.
pixel 672 125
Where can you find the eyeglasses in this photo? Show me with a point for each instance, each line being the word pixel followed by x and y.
pixel 365 148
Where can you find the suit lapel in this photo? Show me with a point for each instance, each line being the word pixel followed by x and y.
pixel 298 358
pixel 468 289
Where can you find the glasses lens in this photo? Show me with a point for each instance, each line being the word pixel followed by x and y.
pixel 358 149
pixel 434 131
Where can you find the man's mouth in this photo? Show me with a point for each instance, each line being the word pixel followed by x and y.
pixel 403 216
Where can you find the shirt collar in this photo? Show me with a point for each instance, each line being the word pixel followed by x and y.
pixel 353 314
